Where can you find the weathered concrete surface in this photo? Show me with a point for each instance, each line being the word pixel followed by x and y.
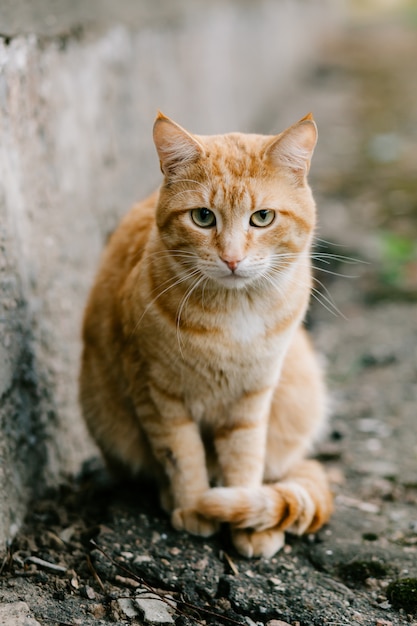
pixel 79 87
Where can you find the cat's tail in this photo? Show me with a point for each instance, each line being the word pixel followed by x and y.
pixel 300 503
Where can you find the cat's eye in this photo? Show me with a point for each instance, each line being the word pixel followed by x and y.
pixel 203 217
pixel 262 218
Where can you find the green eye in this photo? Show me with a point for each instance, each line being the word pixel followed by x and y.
pixel 203 217
pixel 262 218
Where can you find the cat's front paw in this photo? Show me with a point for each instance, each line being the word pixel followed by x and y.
pixel 193 522
pixel 253 543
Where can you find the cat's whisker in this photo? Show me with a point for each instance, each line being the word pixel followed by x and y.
pixel 329 305
pixel 182 304
pixel 175 282
pixel 316 257
pixel 179 193
pixel 203 293
pixel 325 257
pixel 328 297
pixel 273 281
pixel 189 258
pixel 339 274
pixel 325 299
pixel 327 271
pixel 340 258
pixel 168 253
pixel 331 243
pixel 169 280
pixel 173 253
pixel 190 180
pixel 320 269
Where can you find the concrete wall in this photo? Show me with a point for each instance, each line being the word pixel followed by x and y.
pixel 80 84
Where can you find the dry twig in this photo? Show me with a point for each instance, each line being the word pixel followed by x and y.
pixel 163 598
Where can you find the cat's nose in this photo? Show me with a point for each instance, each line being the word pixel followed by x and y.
pixel 231 262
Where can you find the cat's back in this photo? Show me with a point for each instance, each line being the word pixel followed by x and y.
pixel 123 252
pixel 127 243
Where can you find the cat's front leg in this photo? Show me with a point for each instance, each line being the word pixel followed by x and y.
pixel 240 441
pixel 176 443
pixel 241 448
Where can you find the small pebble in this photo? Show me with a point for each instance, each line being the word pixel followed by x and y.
pixel 88 592
pixel 16 613
pixel 127 555
pixel 127 608
pixel 74 583
pixel 130 582
pixel 155 611
pixel 142 558
pixel 98 611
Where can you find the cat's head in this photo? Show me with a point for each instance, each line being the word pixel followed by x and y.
pixel 236 208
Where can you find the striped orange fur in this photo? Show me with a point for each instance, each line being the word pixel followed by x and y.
pixel 196 369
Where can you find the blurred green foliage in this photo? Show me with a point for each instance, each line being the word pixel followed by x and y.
pixel 398 254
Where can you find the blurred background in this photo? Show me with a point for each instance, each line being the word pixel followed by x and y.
pixel 80 85
pixel 364 95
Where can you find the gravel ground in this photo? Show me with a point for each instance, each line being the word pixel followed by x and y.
pixel 95 553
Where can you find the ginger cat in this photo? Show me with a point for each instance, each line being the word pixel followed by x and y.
pixel 196 368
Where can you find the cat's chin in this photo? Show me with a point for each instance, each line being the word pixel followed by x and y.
pixel 233 282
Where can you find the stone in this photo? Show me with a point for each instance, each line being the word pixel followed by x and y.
pixel 16 614
pixel 155 612
pixel 127 607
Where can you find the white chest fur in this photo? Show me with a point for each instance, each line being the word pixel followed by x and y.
pixel 245 325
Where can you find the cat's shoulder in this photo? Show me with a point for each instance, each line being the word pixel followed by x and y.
pixel 140 216
pixel 125 245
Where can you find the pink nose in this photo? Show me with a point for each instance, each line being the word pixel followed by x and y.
pixel 231 263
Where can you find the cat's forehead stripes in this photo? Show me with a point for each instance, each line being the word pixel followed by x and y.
pixel 236 195
pixel 234 156
pixel 232 163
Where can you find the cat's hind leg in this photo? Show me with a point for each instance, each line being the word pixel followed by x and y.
pixel 303 503
pixel 300 503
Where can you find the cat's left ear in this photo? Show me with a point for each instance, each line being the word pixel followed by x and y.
pixel 295 146
pixel 175 146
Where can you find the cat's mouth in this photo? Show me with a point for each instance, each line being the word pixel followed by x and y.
pixel 234 280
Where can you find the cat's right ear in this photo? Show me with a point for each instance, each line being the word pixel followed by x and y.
pixel 294 147
pixel 175 146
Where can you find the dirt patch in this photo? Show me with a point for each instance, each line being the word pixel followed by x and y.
pixel 97 549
